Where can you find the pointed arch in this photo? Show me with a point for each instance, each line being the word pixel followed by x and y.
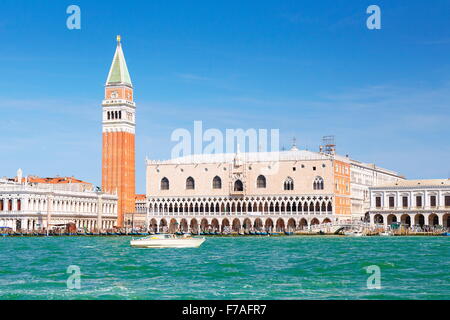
pixel 238 185
pixel 289 184
pixel 190 183
pixel 217 183
pixel 164 184
pixel 261 182
pixel 318 183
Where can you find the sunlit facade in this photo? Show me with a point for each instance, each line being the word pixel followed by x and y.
pixel 262 191
pixel 411 202
pixel 26 206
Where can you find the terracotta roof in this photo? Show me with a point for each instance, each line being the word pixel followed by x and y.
pixel 54 180
pixel 140 197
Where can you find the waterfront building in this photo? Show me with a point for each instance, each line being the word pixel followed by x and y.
pixel 411 202
pixel 273 191
pixel 138 218
pixel 118 158
pixel 363 176
pixel 39 203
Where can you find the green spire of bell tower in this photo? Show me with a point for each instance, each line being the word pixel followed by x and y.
pixel 118 74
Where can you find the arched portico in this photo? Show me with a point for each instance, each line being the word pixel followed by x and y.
pixel 280 227
pixel 258 225
pixel 291 225
pixel 162 225
pixel 225 225
pixel 391 219
pixel 247 224
pixel 204 225
pixel 173 226
pixel 378 219
pixel 303 224
pixel 419 220
pixel 236 227
pixel 405 219
pixel 446 220
pixel 433 220
pixel 153 225
pixel 184 226
pixel 268 225
pixel 215 225
pixel 194 226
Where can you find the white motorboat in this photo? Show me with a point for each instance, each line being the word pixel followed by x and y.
pixel 354 233
pixel 167 241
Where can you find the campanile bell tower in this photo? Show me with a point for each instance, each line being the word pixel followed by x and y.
pixel 118 155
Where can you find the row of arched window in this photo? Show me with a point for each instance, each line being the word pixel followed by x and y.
pixel 112 115
pixel 318 183
pixel 261 183
pixel 314 206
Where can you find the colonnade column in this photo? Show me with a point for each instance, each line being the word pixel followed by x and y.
pixel 99 212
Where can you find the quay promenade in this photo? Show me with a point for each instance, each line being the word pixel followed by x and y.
pixel 337 228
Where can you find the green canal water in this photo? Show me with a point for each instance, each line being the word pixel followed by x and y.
pixel 227 268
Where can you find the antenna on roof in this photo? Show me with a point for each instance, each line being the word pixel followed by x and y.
pixel 294 144
pixel 328 145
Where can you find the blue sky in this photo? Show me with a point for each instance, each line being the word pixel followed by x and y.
pixel 309 68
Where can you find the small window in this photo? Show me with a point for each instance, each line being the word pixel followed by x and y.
pixel 289 184
pixel 447 201
pixel 217 183
pixel 261 182
pixel 378 202
pixel 294 168
pixel 433 201
pixel 238 186
pixel 314 168
pixel 391 202
pixel 405 202
pixel 164 184
pixel 190 183
pixel 419 201
pixel 318 183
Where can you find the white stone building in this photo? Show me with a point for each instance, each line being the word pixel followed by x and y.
pixel 277 191
pixel 411 202
pixel 24 206
pixel 364 176
pixel 138 218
